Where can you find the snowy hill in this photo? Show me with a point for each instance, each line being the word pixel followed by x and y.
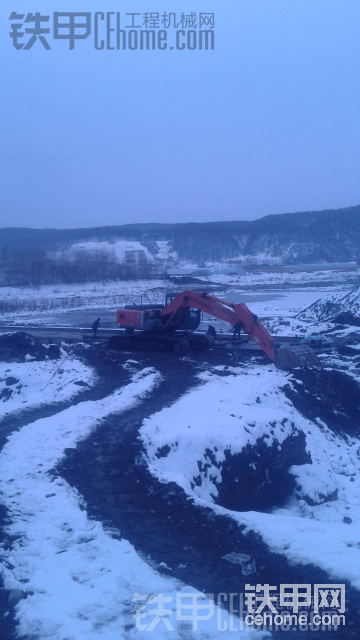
pixel 331 306
pixel 296 238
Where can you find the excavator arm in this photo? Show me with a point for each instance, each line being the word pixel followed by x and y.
pixel 231 313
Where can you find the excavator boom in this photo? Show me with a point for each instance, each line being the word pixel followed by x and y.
pixel 231 313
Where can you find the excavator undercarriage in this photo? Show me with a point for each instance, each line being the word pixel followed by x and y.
pixel 179 343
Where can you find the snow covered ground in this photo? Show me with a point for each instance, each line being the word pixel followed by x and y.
pixel 290 308
pixel 187 443
pixel 46 298
pixel 80 580
pixel 28 301
pixel 288 279
pixel 329 306
pixel 31 384
pixel 287 312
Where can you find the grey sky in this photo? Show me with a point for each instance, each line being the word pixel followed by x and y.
pixel 268 122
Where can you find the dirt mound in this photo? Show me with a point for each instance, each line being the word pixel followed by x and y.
pixel 330 395
pixel 347 317
pixel 327 309
pixel 185 280
pixel 19 346
pixel 258 478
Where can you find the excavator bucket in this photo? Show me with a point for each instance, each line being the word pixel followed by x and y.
pixel 297 357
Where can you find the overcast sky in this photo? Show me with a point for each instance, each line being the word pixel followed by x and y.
pixel 268 122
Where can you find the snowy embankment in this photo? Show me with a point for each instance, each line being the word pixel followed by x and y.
pixel 221 417
pixel 78 580
pixel 192 442
pixel 288 279
pixel 314 311
pixel 25 385
pixel 320 315
pixel 328 307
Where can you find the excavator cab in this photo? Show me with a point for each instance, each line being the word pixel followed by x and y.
pixel 191 319
pixel 170 296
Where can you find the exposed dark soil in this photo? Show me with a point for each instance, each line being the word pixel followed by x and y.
pixel 257 478
pixel 331 395
pixel 158 519
pixel 14 347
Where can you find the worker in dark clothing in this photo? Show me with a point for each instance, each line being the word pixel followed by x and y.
pixel 237 329
pixel 211 331
pixel 95 326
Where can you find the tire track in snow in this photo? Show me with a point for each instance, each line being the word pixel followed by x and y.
pixel 46 519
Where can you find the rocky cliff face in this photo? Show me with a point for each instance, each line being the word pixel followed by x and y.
pixel 329 236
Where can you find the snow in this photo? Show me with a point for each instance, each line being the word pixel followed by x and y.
pixel 259 278
pixel 263 258
pixel 35 383
pixel 228 413
pixel 116 249
pixel 36 304
pixel 164 249
pixel 224 413
pixel 80 580
pixel 317 533
pixel 80 577
pixel 288 302
pixel 331 305
pixel 47 298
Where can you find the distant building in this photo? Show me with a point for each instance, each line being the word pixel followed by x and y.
pixel 134 257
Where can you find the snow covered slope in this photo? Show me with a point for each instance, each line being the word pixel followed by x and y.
pixel 30 384
pixel 195 441
pixel 189 442
pixel 328 307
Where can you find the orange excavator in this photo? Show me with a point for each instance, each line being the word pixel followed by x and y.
pixel 172 328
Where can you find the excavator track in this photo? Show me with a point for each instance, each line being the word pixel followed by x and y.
pixel 198 342
pixel 179 344
pixel 143 342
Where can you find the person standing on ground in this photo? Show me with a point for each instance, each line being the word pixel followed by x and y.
pixel 237 329
pixel 95 326
pixel 211 331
